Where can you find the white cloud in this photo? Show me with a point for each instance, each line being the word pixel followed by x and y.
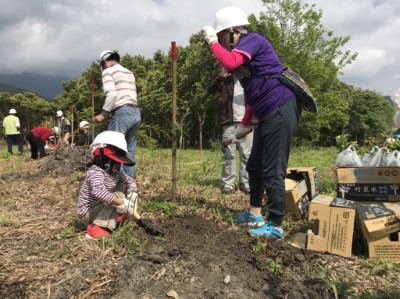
pixel 64 37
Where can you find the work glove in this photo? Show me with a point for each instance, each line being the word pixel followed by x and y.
pixel 239 134
pixel 210 35
pixel 132 195
pixel 134 198
pixel 126 208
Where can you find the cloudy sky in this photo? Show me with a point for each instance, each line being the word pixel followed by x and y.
pixel 63 37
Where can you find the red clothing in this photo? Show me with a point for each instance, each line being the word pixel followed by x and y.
pixel 42 132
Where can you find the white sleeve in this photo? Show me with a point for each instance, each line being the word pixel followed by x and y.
pixel 17 123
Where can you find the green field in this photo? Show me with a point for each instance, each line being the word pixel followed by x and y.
pixel 202 169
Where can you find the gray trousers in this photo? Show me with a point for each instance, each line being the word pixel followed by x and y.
pixel 228 172
pixel 101 215
pixel 104 215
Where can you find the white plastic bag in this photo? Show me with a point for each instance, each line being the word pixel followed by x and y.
pixel 366 160
pixel 380 158
pixel 348 158
pixel 394 159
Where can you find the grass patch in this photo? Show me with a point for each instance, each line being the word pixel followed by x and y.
pixel 379 266
pixel 124 238
pixel 5 220
pixel 341 289
pixel 260 247
pixel 167 208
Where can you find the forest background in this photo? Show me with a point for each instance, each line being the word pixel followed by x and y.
pixel 362 116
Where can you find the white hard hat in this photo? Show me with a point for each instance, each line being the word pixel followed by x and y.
pixel 105 138
pixel 83 124
pixel 107 53
pixel 13 111
pixel 59 113
pixel 229 17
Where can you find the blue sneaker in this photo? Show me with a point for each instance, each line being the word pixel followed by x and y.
pixel 249 219
pixel 267 230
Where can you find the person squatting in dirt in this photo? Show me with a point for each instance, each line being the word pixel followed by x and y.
pixel 12 128
pixel 37 138
pixel 231 114
pixel 98 207
pixel 64 127
pixel 272 103
pixel 119 86
pixel 85 134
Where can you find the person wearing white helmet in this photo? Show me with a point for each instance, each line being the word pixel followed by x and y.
pixel 272 103
pixel 64 126
pixel 98 208
pixel 119 86
pixel 85 134
pixel 12 126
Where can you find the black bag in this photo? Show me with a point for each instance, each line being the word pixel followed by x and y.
pixel 300 89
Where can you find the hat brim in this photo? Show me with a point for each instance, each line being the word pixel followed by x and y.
pixel 121 159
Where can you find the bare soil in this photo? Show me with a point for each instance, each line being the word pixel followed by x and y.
pixel 44 252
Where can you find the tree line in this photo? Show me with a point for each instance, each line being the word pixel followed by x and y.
pixel 302 43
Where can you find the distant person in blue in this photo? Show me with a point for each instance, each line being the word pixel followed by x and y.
pixel 271 102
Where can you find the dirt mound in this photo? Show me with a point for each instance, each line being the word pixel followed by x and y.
pixel 66 160
pixel 203 259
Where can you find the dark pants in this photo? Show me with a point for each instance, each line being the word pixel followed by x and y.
pixel 269 157
pixel 15 139
pixel 37 146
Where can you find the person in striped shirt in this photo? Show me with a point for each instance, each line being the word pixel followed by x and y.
pixel 98 208
pixel 119 86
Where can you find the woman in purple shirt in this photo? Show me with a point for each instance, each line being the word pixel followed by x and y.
pixel 275 106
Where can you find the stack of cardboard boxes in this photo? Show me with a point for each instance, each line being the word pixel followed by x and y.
pixel 301 186
pixel 370 195
pixel 376 191
pixel 332 218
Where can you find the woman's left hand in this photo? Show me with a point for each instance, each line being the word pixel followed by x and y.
pixel 209 35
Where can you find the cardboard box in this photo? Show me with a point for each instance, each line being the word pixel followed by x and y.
pixel 387 247
pixel 296 197
pixel 378 219
pixel 369 183
pixel 311 176
pixel 333 225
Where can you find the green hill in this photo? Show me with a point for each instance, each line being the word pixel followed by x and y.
pixel 15 90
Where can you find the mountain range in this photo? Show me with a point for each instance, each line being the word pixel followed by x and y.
pixel 47 87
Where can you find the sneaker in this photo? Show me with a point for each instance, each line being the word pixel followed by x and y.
pixel 244 189
pixel 122 217
pixel 121 220
pixel 227 190
pixel 249 219
pixel 94 231
pixel 267 230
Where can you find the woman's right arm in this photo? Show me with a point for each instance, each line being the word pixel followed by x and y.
pixel 229 60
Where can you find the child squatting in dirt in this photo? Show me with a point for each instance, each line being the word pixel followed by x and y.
pixel 98 208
